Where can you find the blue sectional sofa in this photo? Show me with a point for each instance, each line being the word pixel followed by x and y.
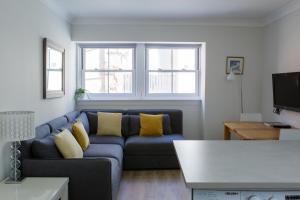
pixel 98 174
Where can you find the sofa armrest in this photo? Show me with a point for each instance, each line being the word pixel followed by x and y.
pixel 89 179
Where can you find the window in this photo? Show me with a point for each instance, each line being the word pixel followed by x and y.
pixel 108 70
pixel 162 70
pixel 172 70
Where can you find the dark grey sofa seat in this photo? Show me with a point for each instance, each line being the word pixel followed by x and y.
pixel 151 152
pixel 97 139
pixel 114 151
pixel 161 145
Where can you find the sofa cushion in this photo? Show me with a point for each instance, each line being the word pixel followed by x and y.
pixel 71 116
pixel 81 135
pixel 42 131
pixel 84 120
pixel 58 123
pixel 45 148
pixel 151 125
pixel 68 145
pixel 134 125
pixel 105 150
pixel 162 145
pixel 175 116
pixel 93 121
pixel 97 139
pixel 109 124
pixel 67 126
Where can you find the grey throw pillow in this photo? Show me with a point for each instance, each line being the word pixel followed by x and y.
pixel 45 148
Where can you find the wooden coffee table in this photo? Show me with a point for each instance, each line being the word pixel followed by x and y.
pixel 250 131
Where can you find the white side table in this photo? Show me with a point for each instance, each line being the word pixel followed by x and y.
pixel 36 189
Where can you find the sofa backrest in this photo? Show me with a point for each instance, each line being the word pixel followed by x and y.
pixel 174 114
pixel 123 111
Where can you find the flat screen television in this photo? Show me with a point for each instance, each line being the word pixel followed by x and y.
pixel 286 91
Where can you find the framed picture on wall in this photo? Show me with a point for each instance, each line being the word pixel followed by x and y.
pixel 53 70
pixel 235 64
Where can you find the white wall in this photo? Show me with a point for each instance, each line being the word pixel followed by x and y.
pixel 281 54
pixel 221 101
pixel 23 25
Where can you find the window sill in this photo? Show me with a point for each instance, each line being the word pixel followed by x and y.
pixel 139 102
pixel 139 99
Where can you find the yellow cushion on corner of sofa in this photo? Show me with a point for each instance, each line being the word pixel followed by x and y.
pixel 81 135
pixel 109 124
pixel 151 125
pixel 67 145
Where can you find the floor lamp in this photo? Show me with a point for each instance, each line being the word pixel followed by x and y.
pixel 16 126
pixel 231 77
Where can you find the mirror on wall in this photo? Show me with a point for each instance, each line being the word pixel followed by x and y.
pixel 53 70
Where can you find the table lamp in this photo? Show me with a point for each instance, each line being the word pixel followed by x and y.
pixel 16 126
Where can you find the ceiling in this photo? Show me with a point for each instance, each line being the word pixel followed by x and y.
pixel 168 9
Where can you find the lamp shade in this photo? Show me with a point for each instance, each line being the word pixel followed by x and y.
pixel 17 125
pixel 231 76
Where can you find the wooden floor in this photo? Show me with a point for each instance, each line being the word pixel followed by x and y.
pixel 153 185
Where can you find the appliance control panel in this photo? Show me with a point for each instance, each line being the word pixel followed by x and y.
pixel 245 195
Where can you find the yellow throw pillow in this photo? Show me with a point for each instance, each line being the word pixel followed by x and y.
pixel 81 135
pixel 67 145
pixel 151 125
pixel 109 124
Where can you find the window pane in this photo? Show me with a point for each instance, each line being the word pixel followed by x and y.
pixel 184 59
pixel 120 59
pixel 55 59
pixel 160 82
pixel 54 80
pixel 120 82
pixel 96 82
pixel 159 59
pixel 184 82
pixel 96 58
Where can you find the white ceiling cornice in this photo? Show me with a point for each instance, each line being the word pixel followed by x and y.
pixel 281 12
pixel 60 12
pixel 273 16
pixel 194 22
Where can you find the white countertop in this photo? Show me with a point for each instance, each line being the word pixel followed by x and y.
pixel 240 164
pixel 34 189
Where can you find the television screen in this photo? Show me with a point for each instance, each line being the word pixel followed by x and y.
pixel 286 91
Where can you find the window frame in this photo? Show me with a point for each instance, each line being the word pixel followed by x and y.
pixel 171 95
pixel 140 75
pixel 83 70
